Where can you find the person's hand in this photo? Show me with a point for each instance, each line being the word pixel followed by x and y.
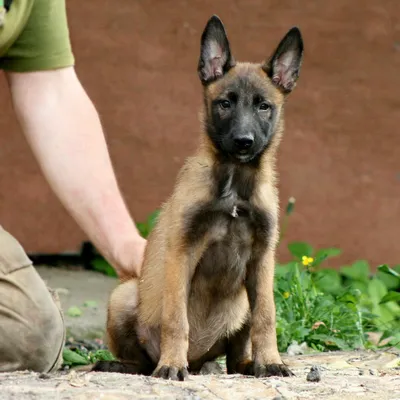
pixel 130 258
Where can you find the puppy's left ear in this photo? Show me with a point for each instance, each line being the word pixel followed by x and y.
pixel 283 67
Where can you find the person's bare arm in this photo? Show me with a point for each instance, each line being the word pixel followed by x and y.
pixel 64 131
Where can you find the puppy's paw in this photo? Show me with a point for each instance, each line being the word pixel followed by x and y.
pixel 170 372
pixel 265 370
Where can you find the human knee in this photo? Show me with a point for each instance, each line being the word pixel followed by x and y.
pixel 47 340
pixel 32 342
pixel 45 351
pixel 31 323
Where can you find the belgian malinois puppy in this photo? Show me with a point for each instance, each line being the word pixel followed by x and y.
pixel 206 287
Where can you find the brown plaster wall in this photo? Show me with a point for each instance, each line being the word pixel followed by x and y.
pixel 137 60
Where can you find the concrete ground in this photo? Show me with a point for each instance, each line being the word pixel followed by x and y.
pixel 343 376
pixel 354 375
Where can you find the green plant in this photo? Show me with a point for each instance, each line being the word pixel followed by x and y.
pixel 82 356
pixel 333 309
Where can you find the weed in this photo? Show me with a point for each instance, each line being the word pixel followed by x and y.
pixel 79 356
pixel 334 309
pixel 328 309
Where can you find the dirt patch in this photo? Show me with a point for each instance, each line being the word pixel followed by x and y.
pixel 344 376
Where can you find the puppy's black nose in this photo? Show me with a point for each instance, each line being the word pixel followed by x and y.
pixel 243 142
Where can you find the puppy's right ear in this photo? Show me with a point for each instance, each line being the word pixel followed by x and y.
pixel 215 55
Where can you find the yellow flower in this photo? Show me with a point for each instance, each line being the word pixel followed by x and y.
pixel 307 260
pixel 286 295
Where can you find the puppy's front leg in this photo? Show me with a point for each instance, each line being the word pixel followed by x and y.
pixel 174 324
pixel 260 287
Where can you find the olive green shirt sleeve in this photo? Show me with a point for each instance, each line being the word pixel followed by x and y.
pixel 44 42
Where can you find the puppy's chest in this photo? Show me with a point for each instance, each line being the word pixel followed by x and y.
pixel 232 225
pixel 230 215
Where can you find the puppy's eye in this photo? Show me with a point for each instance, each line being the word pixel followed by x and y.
pixel 225 104
pixel 264 107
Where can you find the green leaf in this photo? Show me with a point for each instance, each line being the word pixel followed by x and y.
pixel 385 314
pixel 90 304
pixel 317 347
pixel 390 296
pixel 142 228
pixel 103 355
pixel 301 332
pixel 152 220
pixel 327 253
pixel 323 254
pixel 283 269
pixel 72 358
pixel 349 300
pixel 74 312
pixel 376 290
pixel 385 268
pixel 391 282
pixel 101 265
pixel 360 286
pixel 394 307
pixel 328 281
pixel 300 249
pixel 358 271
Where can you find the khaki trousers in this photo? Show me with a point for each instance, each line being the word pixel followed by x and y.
pixel 32 330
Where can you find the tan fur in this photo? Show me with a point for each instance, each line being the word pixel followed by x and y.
pixel 189 328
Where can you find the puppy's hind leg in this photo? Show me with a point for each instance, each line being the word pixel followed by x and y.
pixel 207 364
pixel 238 352
pixel 122 334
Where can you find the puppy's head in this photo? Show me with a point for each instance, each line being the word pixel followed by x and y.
pixel 243 101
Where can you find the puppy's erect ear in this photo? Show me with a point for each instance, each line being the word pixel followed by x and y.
pixel 215 55
pixel 283 66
